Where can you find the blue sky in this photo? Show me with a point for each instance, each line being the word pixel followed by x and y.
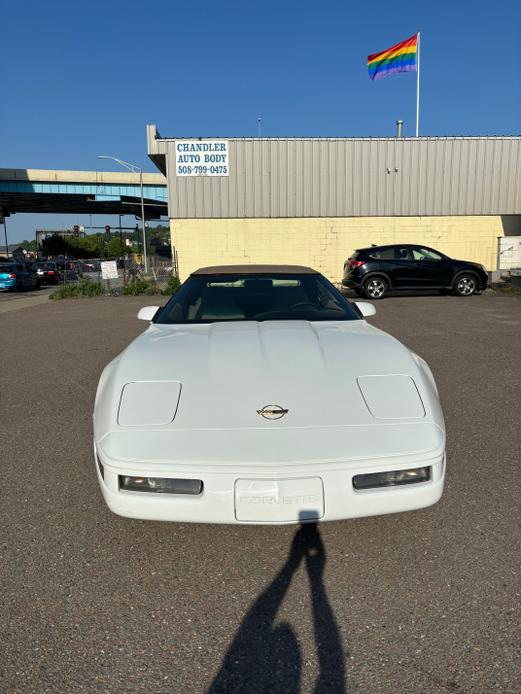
pixel 81 79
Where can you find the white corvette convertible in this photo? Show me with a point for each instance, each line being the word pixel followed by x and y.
pixel 259 394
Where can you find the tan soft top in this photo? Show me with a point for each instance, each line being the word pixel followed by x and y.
pixel 255 270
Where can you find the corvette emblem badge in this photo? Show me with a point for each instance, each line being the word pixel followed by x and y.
pixel 272 412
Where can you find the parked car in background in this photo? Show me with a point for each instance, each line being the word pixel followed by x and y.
pixel 70 269
pixel 87 265
pixel 16 276
pixel 73 270
pixel 375 271
pixel 82 266
pixel 48 272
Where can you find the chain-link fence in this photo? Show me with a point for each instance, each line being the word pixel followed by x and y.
pixel 122 271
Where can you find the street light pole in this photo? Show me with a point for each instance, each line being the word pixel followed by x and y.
pixel 143 220
pixel 135 169
pixel 6 243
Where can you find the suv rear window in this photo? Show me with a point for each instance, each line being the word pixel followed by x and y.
pixel 383 253
pixel 391 253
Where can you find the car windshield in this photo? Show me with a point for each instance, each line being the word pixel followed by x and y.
pixel 46 266
pixel 248 297
pixel 4 267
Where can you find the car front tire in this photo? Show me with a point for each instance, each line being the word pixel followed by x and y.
pixel 465 285
pixel 375 288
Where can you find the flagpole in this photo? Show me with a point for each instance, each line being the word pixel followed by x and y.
pixel 418 89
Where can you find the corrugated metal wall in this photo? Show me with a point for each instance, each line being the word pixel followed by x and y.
pixel 354 178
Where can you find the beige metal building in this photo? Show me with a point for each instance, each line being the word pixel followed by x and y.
pixel 312 201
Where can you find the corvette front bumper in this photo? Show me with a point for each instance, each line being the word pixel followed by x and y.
pixel 285 494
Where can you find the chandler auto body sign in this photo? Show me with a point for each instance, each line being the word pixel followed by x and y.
pixel 201 157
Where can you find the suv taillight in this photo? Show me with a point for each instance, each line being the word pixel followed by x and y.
pixel 12 275
pixel 355 263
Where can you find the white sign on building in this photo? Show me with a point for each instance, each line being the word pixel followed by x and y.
pixel 109 270
pixel 509 252
pixel 201 157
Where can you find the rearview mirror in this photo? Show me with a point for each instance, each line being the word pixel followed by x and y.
pixel 147 312
pixel 366 309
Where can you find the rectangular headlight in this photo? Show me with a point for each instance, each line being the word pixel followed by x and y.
pixel 392 478
pixel 160 485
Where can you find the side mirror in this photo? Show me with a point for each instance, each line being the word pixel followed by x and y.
pixel 147 312
pixel 365 307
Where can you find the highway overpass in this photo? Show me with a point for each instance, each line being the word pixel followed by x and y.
pixel 81 192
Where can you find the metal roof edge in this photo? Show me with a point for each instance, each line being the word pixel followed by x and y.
pixel 428 138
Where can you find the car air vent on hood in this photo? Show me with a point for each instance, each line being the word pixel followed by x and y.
pixel 391 397
pixel 148 403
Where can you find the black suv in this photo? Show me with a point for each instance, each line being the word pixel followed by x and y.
pixel 372 272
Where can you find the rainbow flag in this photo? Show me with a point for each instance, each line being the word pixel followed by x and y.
pixel 398 58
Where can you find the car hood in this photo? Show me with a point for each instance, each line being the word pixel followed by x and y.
pixel 214 378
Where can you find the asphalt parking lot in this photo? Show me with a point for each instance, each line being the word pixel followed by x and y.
pixel 13 301
pixel 420 602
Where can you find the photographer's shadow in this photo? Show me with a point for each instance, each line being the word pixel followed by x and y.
pixel 264 658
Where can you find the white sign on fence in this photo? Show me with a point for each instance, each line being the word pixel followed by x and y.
pixel 109 270
pixel 201 157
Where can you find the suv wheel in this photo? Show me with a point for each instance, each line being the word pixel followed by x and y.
pixel 375 288
pixel 465 285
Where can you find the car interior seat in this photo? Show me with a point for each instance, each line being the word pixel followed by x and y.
pixel 219 303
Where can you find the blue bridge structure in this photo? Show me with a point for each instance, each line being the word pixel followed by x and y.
pixel 82 192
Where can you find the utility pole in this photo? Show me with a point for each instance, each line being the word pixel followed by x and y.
pixel 135 169
pixel 121 252
pixel 5 233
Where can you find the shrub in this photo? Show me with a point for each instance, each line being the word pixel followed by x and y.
pixel 84 287
pixel 65 291
pixel 139 286
pixel 135 287
pixel 171 286
pixel 87 287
